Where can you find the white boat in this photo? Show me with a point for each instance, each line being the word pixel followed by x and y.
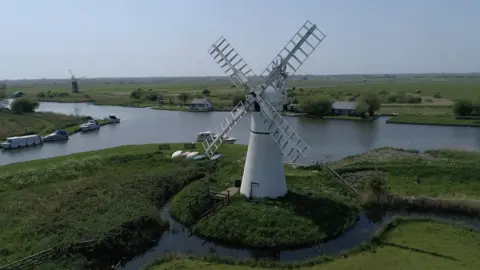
pixel 90 125
pixel 177 154
pixel 112 118
pixel 202 136
pixel 191 155
pixel 21 141
pixel 57 135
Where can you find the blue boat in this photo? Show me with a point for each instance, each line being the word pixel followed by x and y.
pixel 57 135
pixel 199 157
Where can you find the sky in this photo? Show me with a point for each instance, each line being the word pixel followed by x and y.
pixel 139 38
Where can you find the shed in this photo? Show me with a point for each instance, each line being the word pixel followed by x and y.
pixel 201 104
pixel 344 108
pixel 17 94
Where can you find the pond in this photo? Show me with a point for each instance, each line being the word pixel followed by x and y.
pixel 328 139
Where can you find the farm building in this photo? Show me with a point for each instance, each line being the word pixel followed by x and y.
pixel 201 104
pixel 17 94
pixel 344 108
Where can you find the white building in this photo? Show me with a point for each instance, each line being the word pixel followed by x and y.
pixel 201 104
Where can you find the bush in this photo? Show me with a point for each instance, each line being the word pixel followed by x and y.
pixel 41 95
pixel 476 107
pixel 463 107
pixel 401 97
pixel 437 95
pixel 152 96
pixel 361 108
pixel 183 97
pixel 373 102
pixel 319 107
pixel 23 105
pixel 137 93
pixel 237 98
pixel 206 92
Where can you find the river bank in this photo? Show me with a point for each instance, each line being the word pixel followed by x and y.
pixel 41 123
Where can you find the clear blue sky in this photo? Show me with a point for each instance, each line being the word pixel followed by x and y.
pixel 99 38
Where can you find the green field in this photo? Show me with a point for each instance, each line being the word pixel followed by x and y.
pixel 66 200
pixel 12 124
pixel 409 245
pixel 112 197
pixel 437 95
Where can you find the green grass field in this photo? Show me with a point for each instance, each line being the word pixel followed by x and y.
pixel 410 245
pixel 91 195
pixel 12 124
pixel 222 92
pixel 86 196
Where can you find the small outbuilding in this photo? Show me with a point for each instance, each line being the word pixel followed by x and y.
pixel 201 104
pixel 344 108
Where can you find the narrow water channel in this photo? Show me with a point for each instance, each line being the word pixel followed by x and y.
pixel 178 240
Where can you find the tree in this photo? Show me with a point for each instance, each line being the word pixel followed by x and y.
pixel 373 102
pixel 23 105
pixel 183 97
pixel 152 96
pixel 206 92
pixel 237 98
pixel 319 107
pixel 137 93
pixel 476 106
pixel 3 99
pixel 362 108
pixel 463 107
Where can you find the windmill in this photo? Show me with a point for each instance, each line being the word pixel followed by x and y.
pixel 271 138
pixel 75 88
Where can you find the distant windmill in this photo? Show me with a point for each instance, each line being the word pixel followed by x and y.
pixel 270 135
pixel 75 87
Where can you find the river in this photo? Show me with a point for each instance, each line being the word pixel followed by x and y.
pixel 328 139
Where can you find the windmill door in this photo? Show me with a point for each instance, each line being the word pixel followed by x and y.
pixel 254 190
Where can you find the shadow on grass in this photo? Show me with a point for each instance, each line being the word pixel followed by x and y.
pixel 418 250
pixel 330 216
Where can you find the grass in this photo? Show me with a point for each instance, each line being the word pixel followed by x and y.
pixel 316 208
pixel 12 124
pixel 222 92
pixel 408 244
pixel 87 196
pixel 445 173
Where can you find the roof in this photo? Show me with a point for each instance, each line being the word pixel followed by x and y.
pixel 344 105
pixel 18 92
pixel 200 101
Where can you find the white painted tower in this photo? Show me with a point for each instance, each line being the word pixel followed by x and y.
pixel 271 138
pixel 264 173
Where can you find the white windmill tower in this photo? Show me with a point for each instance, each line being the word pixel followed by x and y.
pixel 270 135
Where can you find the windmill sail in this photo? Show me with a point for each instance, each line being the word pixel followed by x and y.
pixel 231 62
pixel 286 63
pixel 290 143
pixel 237 70
pixel 295 53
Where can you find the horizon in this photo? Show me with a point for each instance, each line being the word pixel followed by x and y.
pixel 141 39
pixel 224 76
